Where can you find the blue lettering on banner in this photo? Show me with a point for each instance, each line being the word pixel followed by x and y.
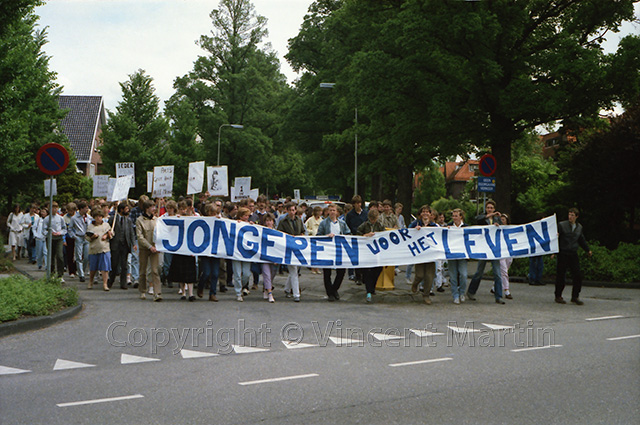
pixel 228 236
pixel 266 243
pixel 252 248
pixel 295 246
pixel 198 224
pixel 510 242
pixel 430 235
pixel 447 251
pixel 315 248
pixel 395 239
pixel 493 245
pixel 375 248
pixel 421 242
pixel 413 247
pixel 468 244
pixel 180 224
pixel 352 250
pixel 404 233
pixel 384 243
pixel 544 241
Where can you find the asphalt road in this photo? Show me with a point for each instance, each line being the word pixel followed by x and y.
pixel 400 361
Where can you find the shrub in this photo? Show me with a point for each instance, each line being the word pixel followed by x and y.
pixel 20 296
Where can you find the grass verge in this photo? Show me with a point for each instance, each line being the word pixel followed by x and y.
pixel 22 297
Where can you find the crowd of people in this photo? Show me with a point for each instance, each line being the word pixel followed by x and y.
pixel 115 240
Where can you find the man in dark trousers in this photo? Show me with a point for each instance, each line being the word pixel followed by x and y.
pixel 570 236
pixel 120 244
pixel 332 226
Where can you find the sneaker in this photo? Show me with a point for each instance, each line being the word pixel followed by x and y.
pixel 240 299
pixel 288 294
pixel 296 299
pixel 150 290
pixel 180 292
pixel 245 292
pixel 369 298
pixel 62 280
pixel 456 300
pixel 265 295
pixel 157 298
pixel 143 296
pixel 271 299
pixel 462 298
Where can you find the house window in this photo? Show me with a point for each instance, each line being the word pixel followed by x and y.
pixel 92 170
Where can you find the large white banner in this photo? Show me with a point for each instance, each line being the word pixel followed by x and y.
pixel 210 236
pixel 218 181
pixel 126 169
pixel 196 177
pixel 162 181
pixel 100 186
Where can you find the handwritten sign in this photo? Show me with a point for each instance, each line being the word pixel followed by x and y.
pixel 162 181
pixel 100 186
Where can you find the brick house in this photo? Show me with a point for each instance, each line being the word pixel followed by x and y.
pixel 83 127
pixel 457 174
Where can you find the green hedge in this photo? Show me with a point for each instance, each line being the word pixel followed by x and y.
pixel 619 265
pixel 21 296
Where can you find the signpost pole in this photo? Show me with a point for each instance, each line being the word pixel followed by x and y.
pixel 49 230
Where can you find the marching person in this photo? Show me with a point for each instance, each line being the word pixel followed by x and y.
pixel 292 225
pixel 120 244
pixel 423 271
pixel 354 219
pixel 370 274
pixel 458 268
pixel 15 231
pixel 183 267
pixel 209 266
pixel 58 231
pixel 241 269
pixel 331 226
pixel 79 223
pixel 269 270
pixel 98 234
pixel 145 226
pixel 570 237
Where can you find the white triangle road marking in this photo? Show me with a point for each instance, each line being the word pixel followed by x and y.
pixel 462 330
pixel 346 341
pixel 385 337
pixel 128 359
pixel 422 333
pixel 68 364
pixel 191 354
pixel 497 327
pixel 292 345
pixel 6 370
pixel 239 349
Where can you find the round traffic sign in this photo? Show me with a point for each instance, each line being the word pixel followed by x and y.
pixel 52 159
pixel 487 165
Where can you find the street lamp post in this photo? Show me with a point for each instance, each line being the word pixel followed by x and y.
pixel 220 129
pixel 355 179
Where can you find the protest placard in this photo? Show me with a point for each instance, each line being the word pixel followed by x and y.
pixel 46 188
pixel 241 188
pixel 196 177
pixel 162 181
pixel 110 186
pixel 126 169
pixel 149 181
pixel 218 181
pixel 121 188
pixel 100 186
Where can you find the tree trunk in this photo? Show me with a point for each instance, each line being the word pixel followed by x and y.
pixel 501 149
pixel 405 190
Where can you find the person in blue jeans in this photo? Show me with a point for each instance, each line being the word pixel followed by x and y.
pixel 536 268
pixel 209 266
pixel 491 217
pixel 458 268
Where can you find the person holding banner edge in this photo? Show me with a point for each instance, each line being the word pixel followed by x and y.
pixel 331 226
pixel 490 217
pixel 570 236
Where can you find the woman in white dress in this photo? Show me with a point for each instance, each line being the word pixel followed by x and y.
pixel 14 223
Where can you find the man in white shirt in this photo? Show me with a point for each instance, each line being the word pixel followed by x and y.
pixel 56 223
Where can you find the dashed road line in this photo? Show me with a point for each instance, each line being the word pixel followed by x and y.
pixel 292 345
pixel 240 349
pixel 603 318
pixel 618 338
pixel 6 370
pixel 129 358
pixel 191 354
pixel 68 364
pixel 100 400
pixel 443 359
pixel 284 378
pixel 542 347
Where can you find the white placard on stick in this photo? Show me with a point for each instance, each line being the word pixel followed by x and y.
pixel 218 181
pixel 46 187
pixel 296 194
pixel 162 181
pixel 149 181
pixel 121 188
pixel 111 185
pixel 242 187
pixel 254 193
pixel 100 186
pixel 196 177
pixel 126 169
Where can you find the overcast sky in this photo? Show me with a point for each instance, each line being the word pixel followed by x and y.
pixel 96 44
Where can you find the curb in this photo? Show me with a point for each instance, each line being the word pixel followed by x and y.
pixel 585 283
pixel 32 323
pixel 24 325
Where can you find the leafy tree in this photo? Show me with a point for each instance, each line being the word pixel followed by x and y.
pixel 431 188
pixel 29 111
pixel 136 132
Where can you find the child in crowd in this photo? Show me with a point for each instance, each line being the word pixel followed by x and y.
pixel 269 270
pixel 98 235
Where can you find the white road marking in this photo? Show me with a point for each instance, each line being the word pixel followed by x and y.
pixel 497 327
pixel 604 318
pixel 422 333
pixel 190 354
pixel 385 337
pixel 128 359
pixel 100 400
pixel 67 364
pixel 462 330
pixel 284 378
pixel 6 370
pixel 535 348
pixel 239 349
pixel 346 341
pixel 292 345
pixel 623 337
pixel 443 359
